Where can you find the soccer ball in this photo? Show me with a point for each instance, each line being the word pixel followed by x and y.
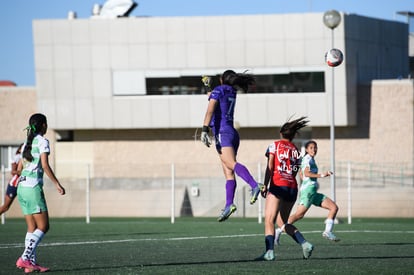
pixel 334 57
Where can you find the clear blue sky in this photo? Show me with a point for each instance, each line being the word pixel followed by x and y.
pixel 16 16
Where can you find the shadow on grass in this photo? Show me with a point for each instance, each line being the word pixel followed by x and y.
pixel 96 268
pixel 363 258
pixel 364 244
pixel 112 267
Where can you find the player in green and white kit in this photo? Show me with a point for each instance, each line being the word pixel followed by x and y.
pixel 309 193
pixel 34 162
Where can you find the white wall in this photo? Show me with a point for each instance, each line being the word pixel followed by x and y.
pixel 76 61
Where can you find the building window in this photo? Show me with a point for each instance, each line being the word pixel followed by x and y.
pixel 185 85
pixel 297 82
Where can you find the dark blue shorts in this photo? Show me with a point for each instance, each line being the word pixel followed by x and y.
pixel 11 191
pixel 284 193
pixel 227 139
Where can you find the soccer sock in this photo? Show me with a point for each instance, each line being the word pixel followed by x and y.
pixel 242 172
pixel 278 232
pixel 230 190
pixel 329 223
pixel 298 237
pixel 26 243
pixel 31 242
pixel 270 242
pixel 33 257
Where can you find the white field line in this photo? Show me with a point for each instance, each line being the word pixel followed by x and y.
pixel 14 245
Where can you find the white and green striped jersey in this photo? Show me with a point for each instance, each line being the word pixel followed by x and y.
pixel 32 173
pixel 308 161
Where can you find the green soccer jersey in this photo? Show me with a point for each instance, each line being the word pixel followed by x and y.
pixel 32 173
pixel 308 161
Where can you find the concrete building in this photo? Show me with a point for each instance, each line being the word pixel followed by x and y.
pixel 98 73
pixel 124 99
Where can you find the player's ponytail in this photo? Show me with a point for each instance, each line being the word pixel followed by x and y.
pixel 290 128
pixel 238 81
pixel 36 124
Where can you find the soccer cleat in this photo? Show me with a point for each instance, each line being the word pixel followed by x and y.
pixel 28 270
pixel 40 268
pixel 307 250
pixel 267 256
pixel 330 236
pixel 227 212
pixel 255 193
pixel 26 265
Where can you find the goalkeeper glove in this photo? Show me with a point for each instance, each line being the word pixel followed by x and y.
pixel 205 138
pixel 206 80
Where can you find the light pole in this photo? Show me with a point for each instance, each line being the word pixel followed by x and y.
pixel 331 19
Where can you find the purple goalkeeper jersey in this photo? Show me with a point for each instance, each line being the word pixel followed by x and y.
pixel 222 120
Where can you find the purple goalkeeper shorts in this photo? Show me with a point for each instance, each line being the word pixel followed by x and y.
pixel 227 139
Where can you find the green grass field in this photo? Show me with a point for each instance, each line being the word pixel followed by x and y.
pixel 204 246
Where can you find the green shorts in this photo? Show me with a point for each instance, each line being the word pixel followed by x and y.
pixel 309 196
pixel 31 199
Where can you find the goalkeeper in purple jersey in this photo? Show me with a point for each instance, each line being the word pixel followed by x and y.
pixel 219 117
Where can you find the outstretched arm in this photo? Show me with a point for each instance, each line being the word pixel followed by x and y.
pixel 309 174
pixel 210 111
pixel 20 167
pixel 14 170
pixel 205 138
pixel 44 158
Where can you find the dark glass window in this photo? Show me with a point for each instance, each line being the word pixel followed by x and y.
pixel 185 85
pixel 301 82
pixel 298 82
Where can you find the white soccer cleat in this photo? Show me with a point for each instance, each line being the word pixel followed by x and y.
pixel 330 236
pixel 267 256
pixel 307 250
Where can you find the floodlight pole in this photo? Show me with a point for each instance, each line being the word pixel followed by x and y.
pixel 331 19
pixel 332 128
pixel 3 186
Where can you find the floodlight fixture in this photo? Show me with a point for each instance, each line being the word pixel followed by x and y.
pixel 117 8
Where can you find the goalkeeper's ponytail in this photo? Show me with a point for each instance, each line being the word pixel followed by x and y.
pixel 238 81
